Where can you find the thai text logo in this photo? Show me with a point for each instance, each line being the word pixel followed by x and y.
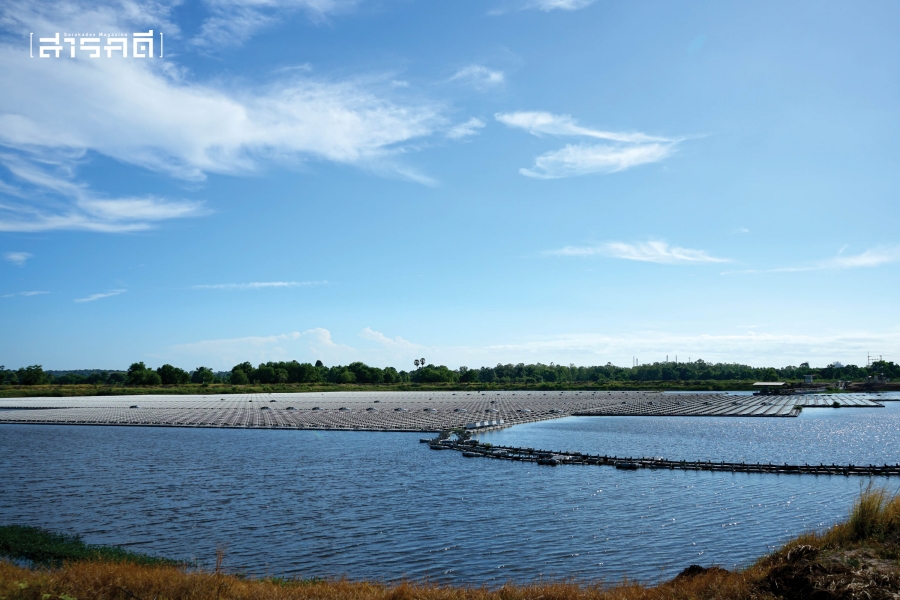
pixel 92 45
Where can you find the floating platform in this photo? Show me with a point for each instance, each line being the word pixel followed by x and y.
pixel 475 449
pixel 398 411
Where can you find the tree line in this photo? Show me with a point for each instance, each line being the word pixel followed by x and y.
pixel 138 374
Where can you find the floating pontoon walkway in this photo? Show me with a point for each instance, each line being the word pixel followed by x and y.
pixel 474 449
pixel 397 411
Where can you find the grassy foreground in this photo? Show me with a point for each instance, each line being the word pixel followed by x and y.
pixel 855 559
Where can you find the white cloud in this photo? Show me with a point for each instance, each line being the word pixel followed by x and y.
pixel 654 251
pixel 749 347
pixel 537 123
pixel 57 202
pixel 24 294
pixel 380 338
pixel 47 17
pixel 870 258
pixel 154 115
pixel 548 5
pixel 874 257
pixel 467 129
pixel 140 209
pixel 479 77
pixel 256 285
pixel 231 22
pixel 758 349
pixel 625 150
pixel 17 258
pixel 582 160
pixel 190 129
pixel 309 345
pixel 93 297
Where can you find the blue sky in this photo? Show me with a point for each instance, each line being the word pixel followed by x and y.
pixel 474 182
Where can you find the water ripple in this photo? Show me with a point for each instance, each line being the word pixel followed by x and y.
pixel 381 506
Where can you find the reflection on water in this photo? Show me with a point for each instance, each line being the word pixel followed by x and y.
pixel 382 506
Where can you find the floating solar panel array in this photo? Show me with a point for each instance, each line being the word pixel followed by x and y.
pixel 396 411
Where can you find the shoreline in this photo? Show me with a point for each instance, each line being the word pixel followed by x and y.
pixel 78 390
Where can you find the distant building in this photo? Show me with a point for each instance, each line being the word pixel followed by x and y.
pixel 769 387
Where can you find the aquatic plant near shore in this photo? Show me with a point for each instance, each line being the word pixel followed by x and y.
pixel 41 547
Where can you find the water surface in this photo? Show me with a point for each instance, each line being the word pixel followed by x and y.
pixel 382 506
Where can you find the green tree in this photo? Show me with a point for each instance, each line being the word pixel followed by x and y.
pixel 136 373
pixel 97 378
pixel 433 374
pixel 203 375
pixel 33 375
pixel 302 373
pixel 391 375
pixel 239 377
pixel 139 374
pixel 468 375
pixel 170 375
pixel 264 374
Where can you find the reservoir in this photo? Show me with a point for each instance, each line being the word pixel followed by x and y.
pixel 379 505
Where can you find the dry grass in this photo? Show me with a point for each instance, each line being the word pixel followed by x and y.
pixel 120 581
pixel 873 522
pixel 814 565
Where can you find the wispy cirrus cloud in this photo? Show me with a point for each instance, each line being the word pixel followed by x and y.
pixel 542 5
pixel 189 129
pixel 232 22
pixel 471 127
pixel 538 123
pixel 479 77
pixel 874 257
pixel 58 202
pixel 622 151
pixel 155 115
pixel 654 251
pixel 24 294
pixel 581 159
pixel 17 258
pixel 258 285
pixel 548 5
pixel 93 297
